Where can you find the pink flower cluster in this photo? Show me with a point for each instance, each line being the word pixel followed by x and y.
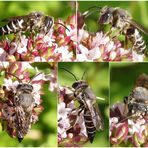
pixel 59 44
pixel 9 110
pixel 125 131
pixel 99 47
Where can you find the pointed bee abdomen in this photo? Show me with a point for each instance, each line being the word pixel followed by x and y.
pixel 139 42
pixel 13 26
pixel 90 128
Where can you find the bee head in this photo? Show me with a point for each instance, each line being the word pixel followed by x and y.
pixel 79 84
pixel 106 15
pixel 48 22
pixel 36 14
pixel 25 87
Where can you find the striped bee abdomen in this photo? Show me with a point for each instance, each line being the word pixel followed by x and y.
pixel 139 44
pixel 13 26
pixel 90 128
pixel 137 40
pixel 22 123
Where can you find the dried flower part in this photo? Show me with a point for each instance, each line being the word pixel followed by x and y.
pixel 59 44
pixel 127 130
pixel 20 102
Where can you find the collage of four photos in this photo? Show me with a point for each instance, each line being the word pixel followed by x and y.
pixel 74 74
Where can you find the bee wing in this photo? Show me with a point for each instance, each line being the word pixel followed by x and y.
pixel 14 18
pixel 95 114
pixel 97 119
pixel 138 26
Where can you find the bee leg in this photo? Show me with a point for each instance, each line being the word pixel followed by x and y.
pixel 126 43
pixel 126 106
pixel 80 109
pixel 108 33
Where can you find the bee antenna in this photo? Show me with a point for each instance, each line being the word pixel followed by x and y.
pixel 83 75
pixel 62 25
pixel 70 73
pixel 90 10
pixel 14 76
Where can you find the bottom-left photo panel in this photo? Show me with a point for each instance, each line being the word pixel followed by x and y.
pixel 28 104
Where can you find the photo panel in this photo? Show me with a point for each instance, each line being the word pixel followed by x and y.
pixel 38 31
pixel 83 104
pixel 128 104
pixel 112 31
pixel 28 104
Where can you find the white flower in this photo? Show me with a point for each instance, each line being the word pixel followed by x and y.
pixel 26 65
pixel 3 54
pixel 137 57
pixel 72 33
pixel 10 85
pixel 63 119
pixel 136 126
pixel 20 46
pixel 40 59
pixel 62 111
pixel 66 55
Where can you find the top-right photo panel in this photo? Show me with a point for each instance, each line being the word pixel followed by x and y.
pixel 112 31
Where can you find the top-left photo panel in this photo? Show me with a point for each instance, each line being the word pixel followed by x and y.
pixel 38 31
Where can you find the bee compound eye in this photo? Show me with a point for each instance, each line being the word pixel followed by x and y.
pixel 35 105
pixel 75 85
pixel 16 98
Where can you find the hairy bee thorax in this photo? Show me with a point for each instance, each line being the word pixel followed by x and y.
pixel 137 101
pixel 33 22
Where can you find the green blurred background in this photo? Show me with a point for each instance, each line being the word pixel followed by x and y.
pixel 97 76
pixel 137 9
pixel 56 9
pixel 123 78
pixel 44 132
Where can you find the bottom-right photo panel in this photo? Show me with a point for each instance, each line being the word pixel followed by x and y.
pixel 129 104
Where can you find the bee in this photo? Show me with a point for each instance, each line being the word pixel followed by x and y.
pixel 33 22
pixel 23 102
pixel 121 21
pixel 136 104
pixel 88 106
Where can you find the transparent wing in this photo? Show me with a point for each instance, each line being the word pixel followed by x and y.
pixel 138 26
pixel 95 114
pixel 14 18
